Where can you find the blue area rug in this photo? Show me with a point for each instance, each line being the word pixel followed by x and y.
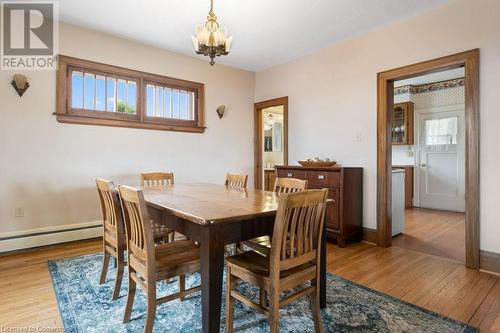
pixel 86 306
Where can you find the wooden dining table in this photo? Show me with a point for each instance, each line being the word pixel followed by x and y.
pixel 214 216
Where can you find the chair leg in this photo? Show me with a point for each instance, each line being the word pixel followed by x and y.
pixel 151 310
pixel 274 310
pixel 230 282
pixel 263 297
pixel 119 275
pixel 181 280
pixel 130 298
pixel 105 265
pixel 318 324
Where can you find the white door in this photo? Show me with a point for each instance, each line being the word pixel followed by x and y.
pixel 440 160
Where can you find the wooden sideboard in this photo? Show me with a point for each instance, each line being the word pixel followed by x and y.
pixel 345 187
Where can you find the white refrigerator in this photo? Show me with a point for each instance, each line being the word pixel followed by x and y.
pixel 398 201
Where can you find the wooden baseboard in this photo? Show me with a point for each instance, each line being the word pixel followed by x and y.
pixel 370 235
pixel 26 239
pixel 489 261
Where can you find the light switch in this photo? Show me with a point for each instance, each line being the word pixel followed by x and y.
pixel 19 212
pixel 358 137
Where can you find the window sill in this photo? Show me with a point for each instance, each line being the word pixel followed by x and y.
pixel 97 121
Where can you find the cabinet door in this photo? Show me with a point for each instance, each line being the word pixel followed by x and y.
pixel 399 123
pixel 272 180
pixel 266 180
pixel 332 209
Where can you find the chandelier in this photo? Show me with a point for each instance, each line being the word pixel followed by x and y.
pixel 211 40
pixel 269 122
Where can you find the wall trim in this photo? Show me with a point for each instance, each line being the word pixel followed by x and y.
pixel 489 261
pixel 429 87
pixel 370 235
pixel 18 240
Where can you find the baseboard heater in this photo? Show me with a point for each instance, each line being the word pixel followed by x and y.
pixel 26 239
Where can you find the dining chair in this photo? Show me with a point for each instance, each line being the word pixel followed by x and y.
pixel 148 263
pixel 157 178
pixel 281 185
pixel 161 232
pixel 289 185
pixel 113 238
pixel 236 181
pixel 293 260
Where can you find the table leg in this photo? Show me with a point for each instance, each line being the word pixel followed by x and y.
pixel 322 287
pixel 212 268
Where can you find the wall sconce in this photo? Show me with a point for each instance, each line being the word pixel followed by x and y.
pixel 220 111
pixel 20 83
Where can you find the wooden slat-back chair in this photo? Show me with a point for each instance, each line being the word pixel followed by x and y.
pixel 148 263
pixel 157 178
pixel 289 185
pixel 160 232
pixel 281 185
pixel 294 259
pixel 236 181
pixel 113 238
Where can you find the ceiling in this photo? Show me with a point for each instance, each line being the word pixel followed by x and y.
pixel 434 77
pixel 266 32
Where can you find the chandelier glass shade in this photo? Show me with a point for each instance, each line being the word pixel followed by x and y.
pixel 210 39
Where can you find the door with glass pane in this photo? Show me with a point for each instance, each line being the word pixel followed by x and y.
pixel 441 163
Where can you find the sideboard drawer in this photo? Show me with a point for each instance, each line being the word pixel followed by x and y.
pixel 323 178
pixel 284 173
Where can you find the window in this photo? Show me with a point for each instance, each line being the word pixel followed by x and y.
pixel 97 94
pixel 441 131
pixel 169 103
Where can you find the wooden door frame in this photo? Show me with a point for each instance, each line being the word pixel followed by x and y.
pixel 258 135
pixel 385 101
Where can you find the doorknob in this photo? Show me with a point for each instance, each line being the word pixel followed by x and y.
pixel 423 165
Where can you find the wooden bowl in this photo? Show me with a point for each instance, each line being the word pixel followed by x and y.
pixel 318 163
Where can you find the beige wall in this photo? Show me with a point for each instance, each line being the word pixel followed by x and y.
pixel 332 94
pixel 49 168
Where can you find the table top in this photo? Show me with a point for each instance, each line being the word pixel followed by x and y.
pixel 210 203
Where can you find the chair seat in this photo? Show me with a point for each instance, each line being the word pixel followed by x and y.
pixel 177 258
pixel 259 243
pixel 257 263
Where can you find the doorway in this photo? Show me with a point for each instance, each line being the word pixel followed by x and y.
pixel 428 159
pixel 469 60
pixel 271 140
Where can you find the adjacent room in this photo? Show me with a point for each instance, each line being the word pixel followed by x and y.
pixel 249 166
pixel 428 161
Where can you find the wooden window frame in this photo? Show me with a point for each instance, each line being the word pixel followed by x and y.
pixel 66 114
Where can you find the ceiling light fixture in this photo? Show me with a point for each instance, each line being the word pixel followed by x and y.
pixel 210 39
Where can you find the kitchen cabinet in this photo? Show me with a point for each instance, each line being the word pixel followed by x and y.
pixel 402 124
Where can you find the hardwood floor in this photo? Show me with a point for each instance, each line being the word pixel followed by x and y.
pixel 432 282
pixel 435 232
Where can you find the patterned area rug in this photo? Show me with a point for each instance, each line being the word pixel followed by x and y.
pixel 86 306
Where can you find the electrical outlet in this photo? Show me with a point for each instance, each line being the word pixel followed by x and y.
pixel 19 212
pixel 358 137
